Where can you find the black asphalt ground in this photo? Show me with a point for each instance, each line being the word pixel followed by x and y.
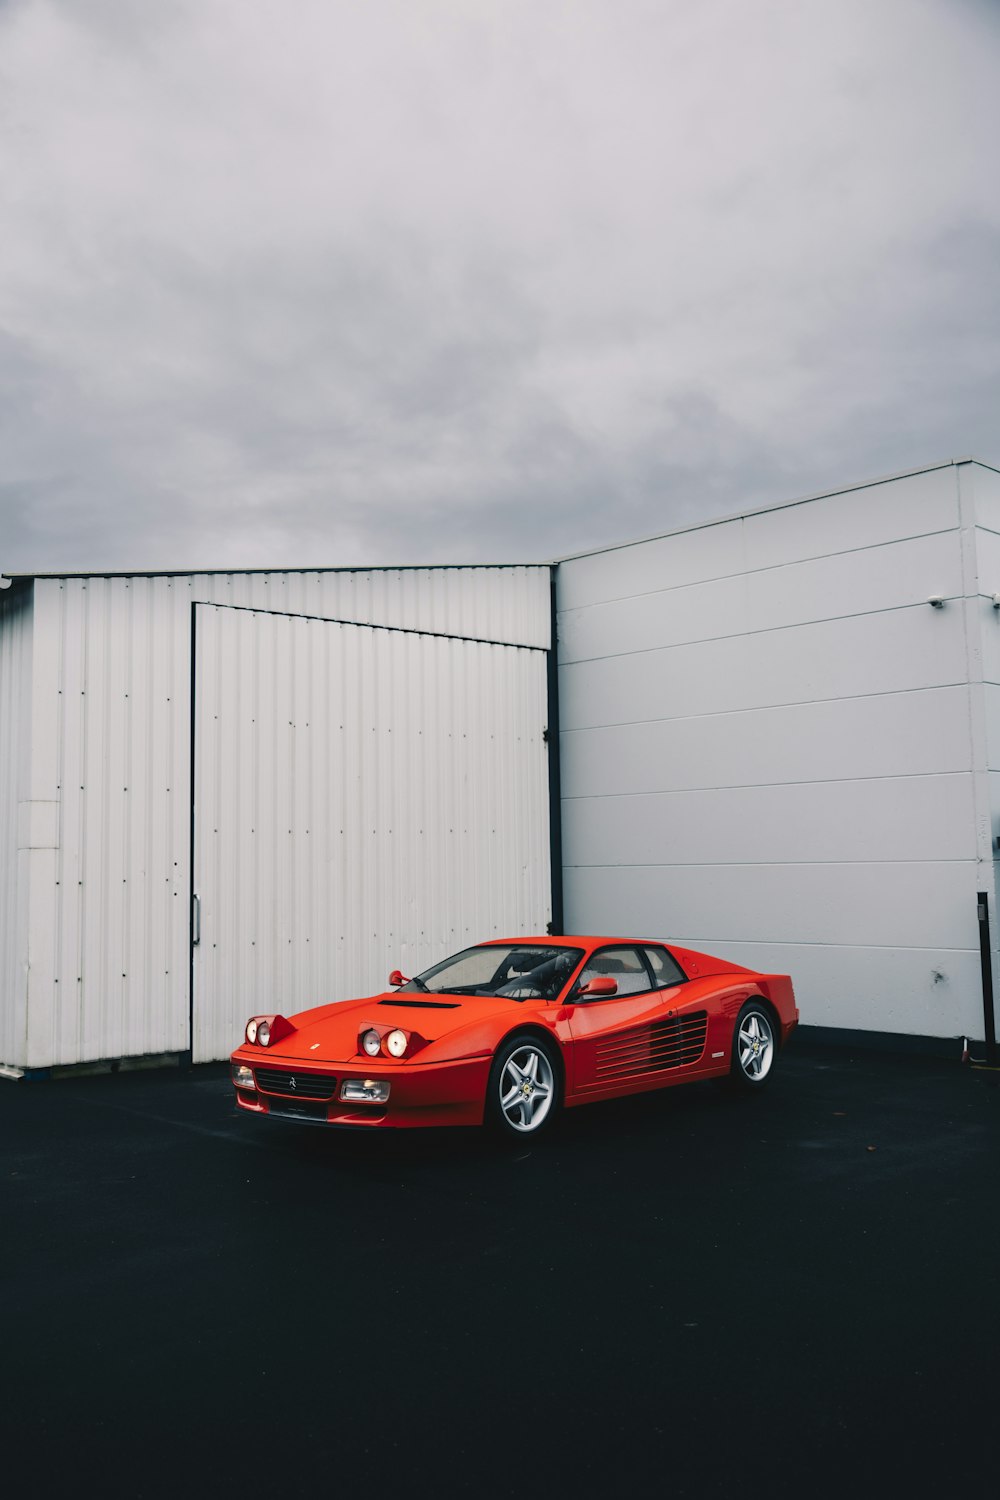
pixel 690 1293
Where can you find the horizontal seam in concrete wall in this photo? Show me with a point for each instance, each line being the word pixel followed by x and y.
pixel 764 708
pixel 693 940
pixel 798 562
pixel 773 864
pixel 752 786
pixel 742 635
pixel 766 510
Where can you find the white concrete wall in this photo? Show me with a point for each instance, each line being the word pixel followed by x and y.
pixel 773 748
pixel 982 488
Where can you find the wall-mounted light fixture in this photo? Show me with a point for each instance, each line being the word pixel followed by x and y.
pixel 5 583
pixel 936 601
pixel 996 601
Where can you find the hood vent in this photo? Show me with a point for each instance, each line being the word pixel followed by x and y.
pixel 423 1004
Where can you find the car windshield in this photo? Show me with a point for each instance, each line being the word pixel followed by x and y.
pixel 518 971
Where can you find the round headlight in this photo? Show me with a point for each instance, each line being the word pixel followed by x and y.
pixel 263 1033
pixel 396 1043
pixel 372 1043
pixel 251 1031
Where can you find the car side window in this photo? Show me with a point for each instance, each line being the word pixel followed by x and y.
pixel 625 965
pixel 666 969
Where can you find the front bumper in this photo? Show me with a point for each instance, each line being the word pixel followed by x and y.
pixel 422 1094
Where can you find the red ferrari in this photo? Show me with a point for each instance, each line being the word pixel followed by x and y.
pixel 510 1031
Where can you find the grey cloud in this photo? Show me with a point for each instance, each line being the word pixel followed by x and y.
pixel 367 291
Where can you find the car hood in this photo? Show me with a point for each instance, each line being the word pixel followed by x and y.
pixel 330 1032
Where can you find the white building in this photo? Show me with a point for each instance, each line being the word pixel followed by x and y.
pixel 233 792
pixel 777 749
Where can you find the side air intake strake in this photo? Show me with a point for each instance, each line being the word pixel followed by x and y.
pixel 653 1048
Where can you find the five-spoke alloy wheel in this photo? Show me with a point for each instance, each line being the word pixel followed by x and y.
pixel 523 1092
pixel 753 1045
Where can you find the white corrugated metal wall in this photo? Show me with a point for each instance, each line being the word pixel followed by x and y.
pixel 364 798
pixel 770 748
pixel 111 753
pixel 110 728
pixel 16 612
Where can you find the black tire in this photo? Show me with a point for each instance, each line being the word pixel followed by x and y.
pixel 755 1046
pixel 513 1110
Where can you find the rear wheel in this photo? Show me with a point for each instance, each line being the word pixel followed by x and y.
pixel 754 1046
pixel 522 1095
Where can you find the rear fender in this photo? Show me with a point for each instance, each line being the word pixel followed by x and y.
pixel 703 965
pixel 777 988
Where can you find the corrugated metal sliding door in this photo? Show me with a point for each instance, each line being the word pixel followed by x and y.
pixel 363 799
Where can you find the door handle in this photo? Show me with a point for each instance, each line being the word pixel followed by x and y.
pixel 195 920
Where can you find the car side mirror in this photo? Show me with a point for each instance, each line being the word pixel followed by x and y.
pixel 396 978
pixel 599 987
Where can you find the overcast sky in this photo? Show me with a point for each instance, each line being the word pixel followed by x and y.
pixel 481 280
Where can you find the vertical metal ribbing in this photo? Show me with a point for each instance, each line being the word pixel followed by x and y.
pixel 437 835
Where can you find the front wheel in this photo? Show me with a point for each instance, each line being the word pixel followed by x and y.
pixel 522 1095
pixel 753 1046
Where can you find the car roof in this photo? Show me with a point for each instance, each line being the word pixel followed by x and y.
pixel 567 940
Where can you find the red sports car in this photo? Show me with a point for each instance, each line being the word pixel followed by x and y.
pixel 509 1031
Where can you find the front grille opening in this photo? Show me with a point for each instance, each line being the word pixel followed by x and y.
pixel 293 1085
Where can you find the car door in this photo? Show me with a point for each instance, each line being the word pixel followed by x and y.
pixel 648 1034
